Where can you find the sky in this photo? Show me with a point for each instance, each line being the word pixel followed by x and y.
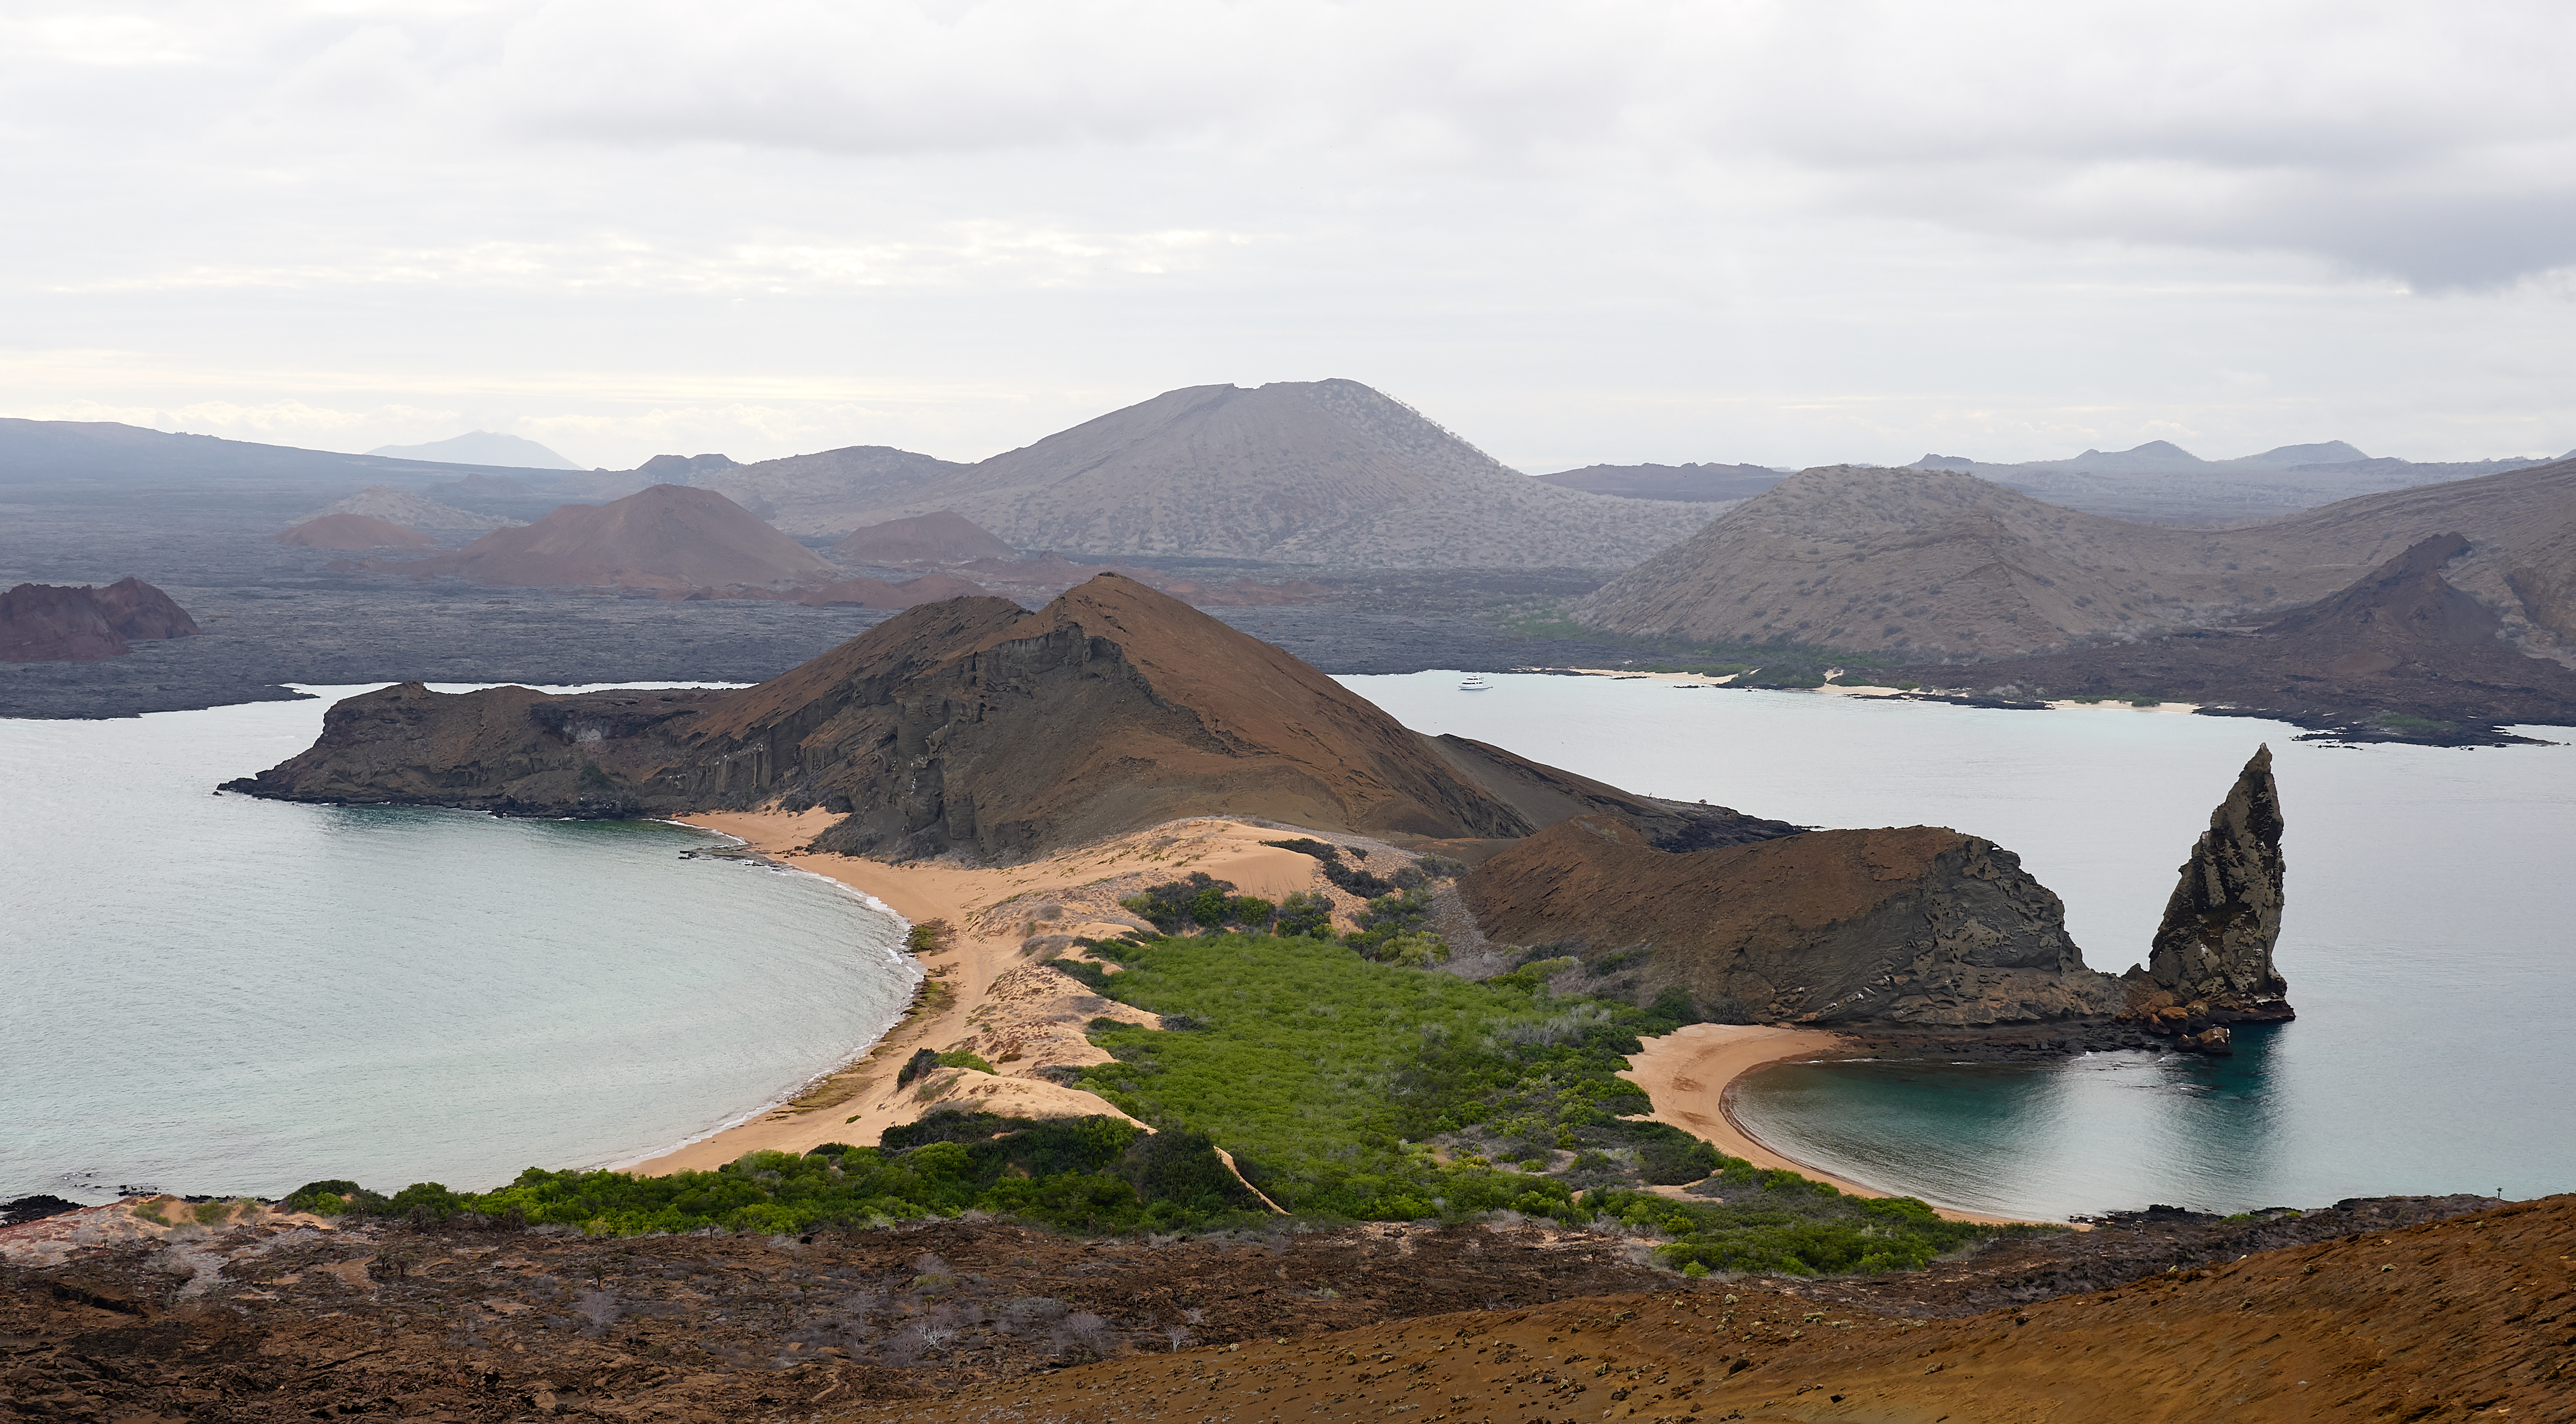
pixel 1609 231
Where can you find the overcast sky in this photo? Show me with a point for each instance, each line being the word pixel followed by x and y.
pixel 1573 232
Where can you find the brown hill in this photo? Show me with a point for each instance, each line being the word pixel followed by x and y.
pixel 1699 484
pixel 1323 472
pixel 971 724
pixel 1919 927
pixel 1936 563
pixel 941 537
pixel 668 536
pixel 53 623
pixel 353 531
pixel 877 593
pixel 2402 639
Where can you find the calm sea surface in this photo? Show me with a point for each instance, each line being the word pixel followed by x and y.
pixel 218 994
pixel 2429 941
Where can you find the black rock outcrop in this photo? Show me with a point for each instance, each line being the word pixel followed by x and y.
pixel 2212 959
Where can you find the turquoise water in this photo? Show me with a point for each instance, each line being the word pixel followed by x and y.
pixel 2429 939
pixel 219 994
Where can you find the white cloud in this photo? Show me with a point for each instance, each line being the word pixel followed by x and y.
pixel 1704 225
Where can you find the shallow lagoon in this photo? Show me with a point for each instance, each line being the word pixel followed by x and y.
pixel 2429 941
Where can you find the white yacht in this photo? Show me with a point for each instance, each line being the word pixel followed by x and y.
pixel 1473 682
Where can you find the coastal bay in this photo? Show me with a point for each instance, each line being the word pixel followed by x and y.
pixel 263 993
pixel 2421 939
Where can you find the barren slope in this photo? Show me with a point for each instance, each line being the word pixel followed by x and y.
pixel 668 536
pixel 52 623
pixel 2400 638
pixel 353 531
pixel 1920 927
pixel 945 537
pixel 813 494
pixel 1941 564
pixel 971 724
pixel 1325 472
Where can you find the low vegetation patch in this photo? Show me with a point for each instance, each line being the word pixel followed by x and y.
pixel 1331 1077
pixel 1089 1174
pixel 1346 1085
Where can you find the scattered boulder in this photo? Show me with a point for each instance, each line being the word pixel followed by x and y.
pixel 56 623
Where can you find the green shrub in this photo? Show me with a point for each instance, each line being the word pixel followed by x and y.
pixel 1201 900
pixel 1304 914
pixel 960 1058
pixel 332 1197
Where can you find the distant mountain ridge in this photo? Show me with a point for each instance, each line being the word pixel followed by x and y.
pixel 481 447
pixel 2160 482
pixel 1711 483
pixel 1323 472
pixel 73 453
pixel 1940 563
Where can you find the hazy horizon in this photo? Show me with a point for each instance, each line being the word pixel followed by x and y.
pixel 1616 233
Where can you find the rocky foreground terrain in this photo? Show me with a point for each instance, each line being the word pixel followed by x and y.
pixel 2412 1308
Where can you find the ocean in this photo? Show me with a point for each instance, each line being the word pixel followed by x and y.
pixel 216 994
pixel 2428 938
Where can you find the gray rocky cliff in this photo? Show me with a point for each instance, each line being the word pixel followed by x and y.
pixel 2212 957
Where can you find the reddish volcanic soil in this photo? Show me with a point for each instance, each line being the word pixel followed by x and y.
pixel 2465 1317
pixel 668 536
pixel 51 623
pixel 354 531
pixel 942 538
pixel 977 1321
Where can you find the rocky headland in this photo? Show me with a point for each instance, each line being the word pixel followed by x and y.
pixel 53 623
pixel 1912 935
pixel 975 726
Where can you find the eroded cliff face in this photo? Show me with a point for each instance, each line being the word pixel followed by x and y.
pixel 1918 927
pixel 2212 957
pixel 971 725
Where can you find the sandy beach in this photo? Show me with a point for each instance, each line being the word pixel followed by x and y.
pixel 1689 1072
pixel 987 991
